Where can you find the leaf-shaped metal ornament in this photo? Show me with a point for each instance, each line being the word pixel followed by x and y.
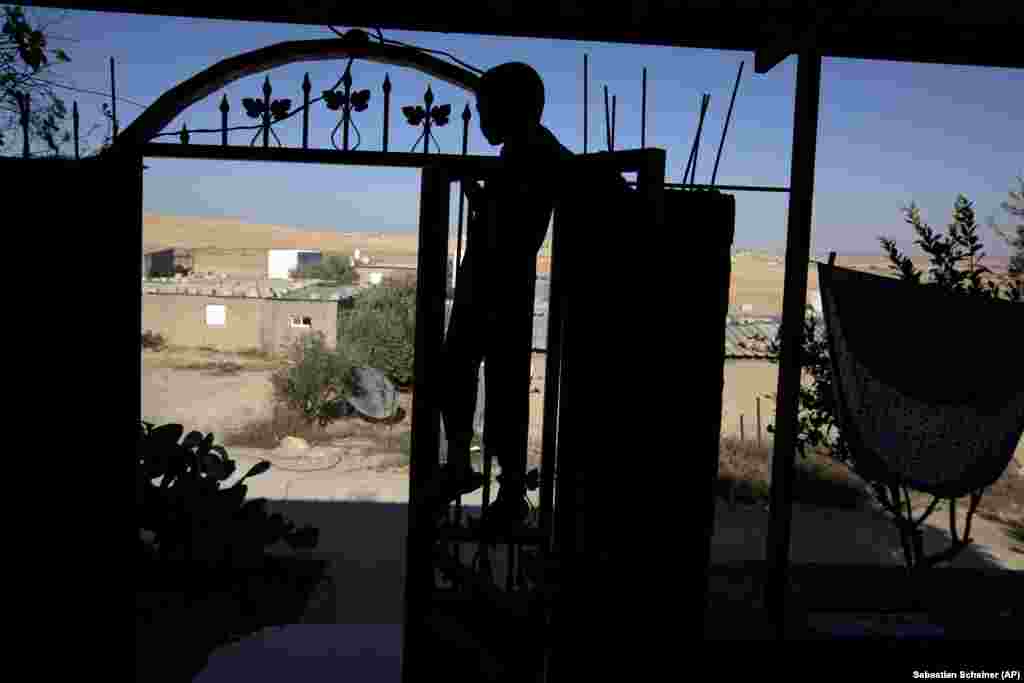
pixel 360 100
pixel 279 109
pixel 414 115
pixel 441 114
pixel 259 468
pixel 333 99
pixel 254 108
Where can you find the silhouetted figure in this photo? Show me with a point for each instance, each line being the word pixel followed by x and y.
pixel 492 315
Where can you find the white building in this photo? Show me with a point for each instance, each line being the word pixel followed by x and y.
pixel 280 262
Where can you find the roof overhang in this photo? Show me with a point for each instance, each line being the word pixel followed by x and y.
pixel 942 31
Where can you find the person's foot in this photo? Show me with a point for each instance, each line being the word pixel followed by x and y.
pixel 508 513
pixel 451 482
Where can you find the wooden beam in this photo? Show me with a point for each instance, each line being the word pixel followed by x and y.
pixel 798 246
pixel 978 35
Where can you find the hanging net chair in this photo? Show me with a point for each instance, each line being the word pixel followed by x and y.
pixel 918 398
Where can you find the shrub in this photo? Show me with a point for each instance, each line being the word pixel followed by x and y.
pixel 316 381
pixel 153 341
pixel 334 267
pixel 818 425
pixel 379 330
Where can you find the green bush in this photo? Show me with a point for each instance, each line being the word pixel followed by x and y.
pixel 316 381
pixel 379 330
pixel 334 267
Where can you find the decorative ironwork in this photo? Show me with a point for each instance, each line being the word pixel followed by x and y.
pixel 387 109
pixel 347 101
pixel 74 118
pixel 428 116
pixel 224 107
pixel 183 135
pixel 306 87
pixel 341 97
pixel 267 111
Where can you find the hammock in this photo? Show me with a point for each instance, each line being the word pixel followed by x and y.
pixel 918 398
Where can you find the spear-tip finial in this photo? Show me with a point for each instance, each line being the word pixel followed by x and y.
pixel 224 106
pixel 266 86
pixel 466 113
pixel 428 97
pixel 306 85
pixel 387 84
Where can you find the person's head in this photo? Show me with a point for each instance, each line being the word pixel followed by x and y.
pixel 510 100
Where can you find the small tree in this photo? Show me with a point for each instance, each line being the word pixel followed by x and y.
pixel 1015 207
pixel 334 267
pixel 380 329
pixel 316 380
pixel 818 426
pixel 23 58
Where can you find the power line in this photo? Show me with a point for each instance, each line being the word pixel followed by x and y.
pixel 90 92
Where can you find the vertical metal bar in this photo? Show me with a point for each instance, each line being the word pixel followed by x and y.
pixel 113 96
pixel 224 108
pixel 607 121
pixel 26 112
pixel 743 436
pixel 387 109
pixel 705 101
pixel 435 190
pixel 798 238
pixel 693 147
pixel 552 371
pixel 306 87
pixel 758 421
pixel 643 112
pixel 586 97
pixel 266 111
pixel 346 107
pixel 466 116
pixel 74 120
pixel 615 118
pixel 725 129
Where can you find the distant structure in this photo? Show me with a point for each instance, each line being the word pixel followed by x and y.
pixel 275 264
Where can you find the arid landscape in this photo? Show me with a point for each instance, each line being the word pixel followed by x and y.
pixel 230 395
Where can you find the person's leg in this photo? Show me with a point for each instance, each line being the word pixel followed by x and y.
pixel 462 354
pixel 507 406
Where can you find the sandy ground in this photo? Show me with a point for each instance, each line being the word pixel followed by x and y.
pixel 358 500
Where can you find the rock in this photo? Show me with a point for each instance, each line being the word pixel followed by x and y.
pixel 294 443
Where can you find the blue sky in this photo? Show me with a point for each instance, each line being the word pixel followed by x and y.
pixel 890 133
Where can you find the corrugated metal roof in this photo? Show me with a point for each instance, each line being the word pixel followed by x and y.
pixel 742 335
